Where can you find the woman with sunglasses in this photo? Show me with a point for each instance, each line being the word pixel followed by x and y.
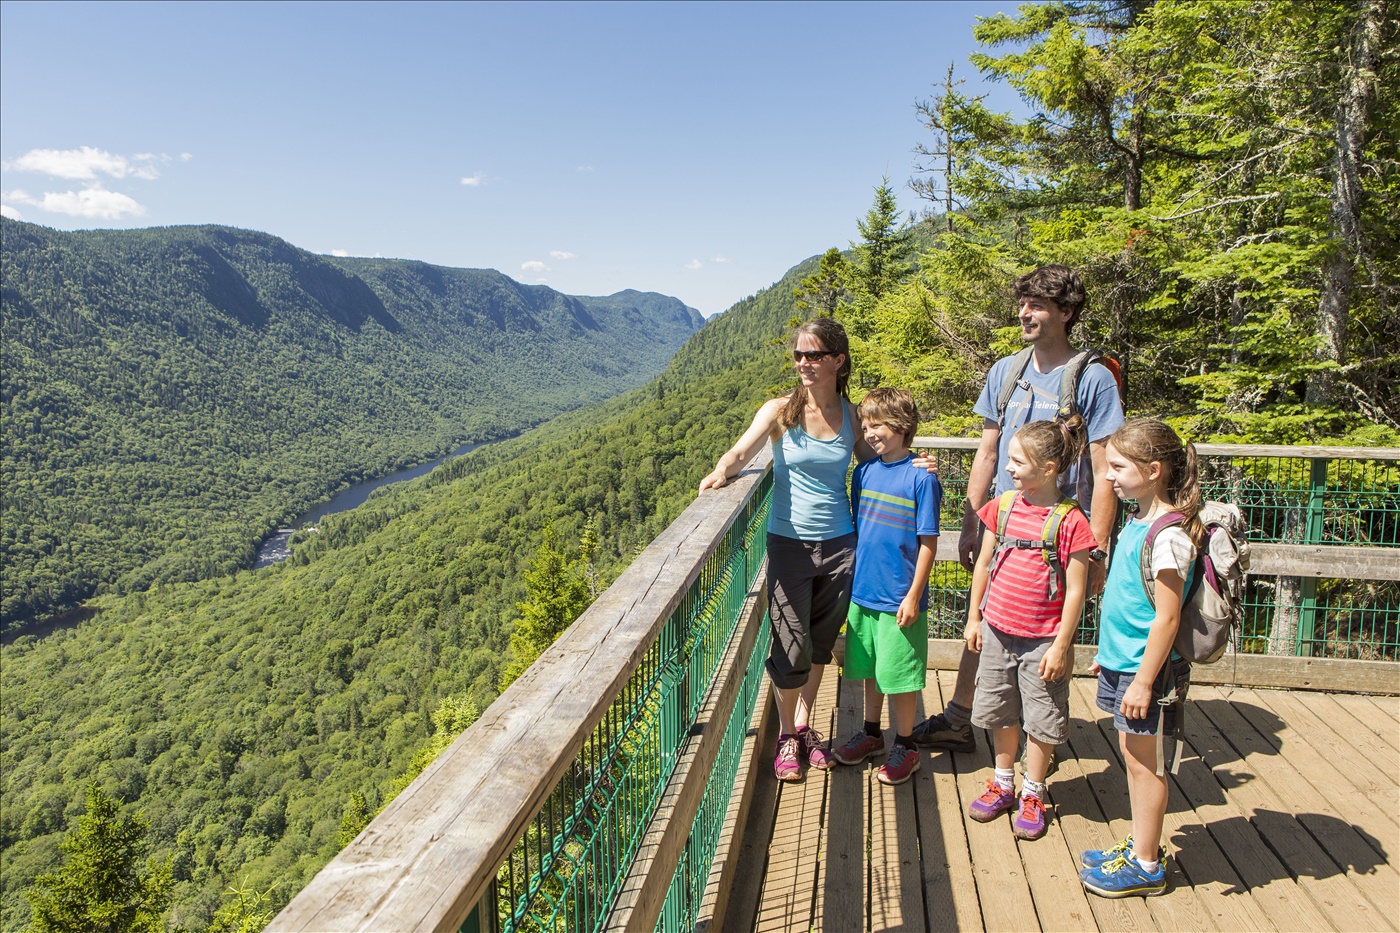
pixel 811 539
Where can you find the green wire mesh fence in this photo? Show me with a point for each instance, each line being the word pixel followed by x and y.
pixel 1302 499
pixel 566 870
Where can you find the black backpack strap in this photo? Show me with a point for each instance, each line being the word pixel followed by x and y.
pixel 1014 372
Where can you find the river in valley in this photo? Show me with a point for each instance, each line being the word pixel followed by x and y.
pixel 275 549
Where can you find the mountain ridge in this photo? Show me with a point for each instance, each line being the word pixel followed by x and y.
pixel 171 394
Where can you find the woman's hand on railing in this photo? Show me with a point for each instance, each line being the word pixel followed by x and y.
pixel 714 479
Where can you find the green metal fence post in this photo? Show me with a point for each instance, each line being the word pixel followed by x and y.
pixel 1312 534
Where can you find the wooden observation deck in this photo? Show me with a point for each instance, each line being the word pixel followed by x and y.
pixel 624 782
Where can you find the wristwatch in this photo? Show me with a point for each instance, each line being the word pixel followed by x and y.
pixel 1097 555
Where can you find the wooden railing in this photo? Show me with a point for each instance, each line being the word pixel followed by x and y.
pixel 557 749
pixel 478 839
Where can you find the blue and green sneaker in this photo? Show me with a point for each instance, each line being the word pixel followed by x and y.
pixel 1093 858
pixel 1124 877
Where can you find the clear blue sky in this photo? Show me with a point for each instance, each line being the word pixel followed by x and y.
pixel 699 150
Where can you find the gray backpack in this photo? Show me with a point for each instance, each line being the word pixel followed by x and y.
pixel 1214 604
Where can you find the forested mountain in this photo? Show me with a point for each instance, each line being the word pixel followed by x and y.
pixel 171 395
pixel 243 713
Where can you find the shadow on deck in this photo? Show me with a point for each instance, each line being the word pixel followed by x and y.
pixel 1285 816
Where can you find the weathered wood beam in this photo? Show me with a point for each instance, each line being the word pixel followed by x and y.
pixel 426 860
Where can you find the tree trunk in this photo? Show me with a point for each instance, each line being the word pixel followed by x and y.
pixel 1358 91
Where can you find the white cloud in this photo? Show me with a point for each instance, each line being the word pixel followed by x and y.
pixel 94 202
pixel 584 168
pixel 340 252
pixel 721 260
pixel 473 181
pixel 534 265
pixel 186 156
pixel 561 254
pixel 86 163
pixel 694 264
pixel 8 211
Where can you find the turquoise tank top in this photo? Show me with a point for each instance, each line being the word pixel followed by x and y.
pixel 809 484
pixel 1126 614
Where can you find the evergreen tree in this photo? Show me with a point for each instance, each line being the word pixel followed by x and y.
pixel 556 593
pixel 884 251
pixel 102 886
pixel 825 291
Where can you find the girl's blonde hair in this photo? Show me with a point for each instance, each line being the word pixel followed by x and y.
pixel 1060 442
pixel 1145 440
pixel 832 336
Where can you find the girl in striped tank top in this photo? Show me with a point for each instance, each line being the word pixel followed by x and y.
pixel 1028 590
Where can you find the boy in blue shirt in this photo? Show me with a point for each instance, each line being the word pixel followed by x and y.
pixel 896 517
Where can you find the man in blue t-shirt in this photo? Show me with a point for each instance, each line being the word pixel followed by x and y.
pixel 1050 300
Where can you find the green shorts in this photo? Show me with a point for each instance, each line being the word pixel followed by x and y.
pixel 877 647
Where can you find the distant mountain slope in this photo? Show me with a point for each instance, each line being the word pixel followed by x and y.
pixel 240 713
pixel 170 395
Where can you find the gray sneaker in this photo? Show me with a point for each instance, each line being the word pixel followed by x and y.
pixel 1054 759
pixel 934 732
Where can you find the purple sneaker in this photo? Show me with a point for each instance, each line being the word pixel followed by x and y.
pixel 1030 819
pixel 995 801
pixel 900 767
pixel 787 766
pixel 859 747
pixel 817 752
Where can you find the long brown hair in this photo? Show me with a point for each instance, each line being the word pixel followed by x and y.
pixel 1143 440
pixel 1057 441
pixel 831 336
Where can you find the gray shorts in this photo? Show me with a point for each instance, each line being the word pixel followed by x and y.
pixel 809 593
pixel 1010 691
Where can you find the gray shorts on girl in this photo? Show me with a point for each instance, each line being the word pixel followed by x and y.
pixel 1010 691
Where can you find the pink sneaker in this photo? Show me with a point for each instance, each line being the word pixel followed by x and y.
pixel 1030 819
pixel 900 767
pixel 787 766
pixel 995 801
pixel 816 751
pixel 859 747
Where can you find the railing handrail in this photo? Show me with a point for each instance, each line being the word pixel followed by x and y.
pixel 425 862
pixel 1217 450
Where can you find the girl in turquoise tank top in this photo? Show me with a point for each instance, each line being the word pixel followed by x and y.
pixel 814 431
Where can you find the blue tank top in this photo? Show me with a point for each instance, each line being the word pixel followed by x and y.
pixel 809 484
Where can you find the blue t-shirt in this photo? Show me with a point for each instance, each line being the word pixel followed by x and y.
pixel 809 484
pixel 1098 403
pixel 1126 614
pixel 894 503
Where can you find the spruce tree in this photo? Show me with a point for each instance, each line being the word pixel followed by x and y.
pixel 103 887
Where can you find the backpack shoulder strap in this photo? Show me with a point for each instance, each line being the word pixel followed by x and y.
pixel 1004 503
pixel 1149 582
pixel 1050 542
pixel 1019 362
pixel 1070 378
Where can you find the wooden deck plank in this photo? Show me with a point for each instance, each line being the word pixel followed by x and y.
pixel 1345 905
pixel 1177 909
pixel 1052 866
pixel 840 899
pixel 1316 767
pixel 996 862
pixel 896 889
pixel 1365 711
pixel 745 894
pixel 950 887
pixel 1351 848
pixel 1369 766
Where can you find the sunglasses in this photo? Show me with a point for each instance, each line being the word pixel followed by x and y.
pixel 811 356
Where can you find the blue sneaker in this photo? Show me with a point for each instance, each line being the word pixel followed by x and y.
pixel 1124 877
pixel 1093 858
